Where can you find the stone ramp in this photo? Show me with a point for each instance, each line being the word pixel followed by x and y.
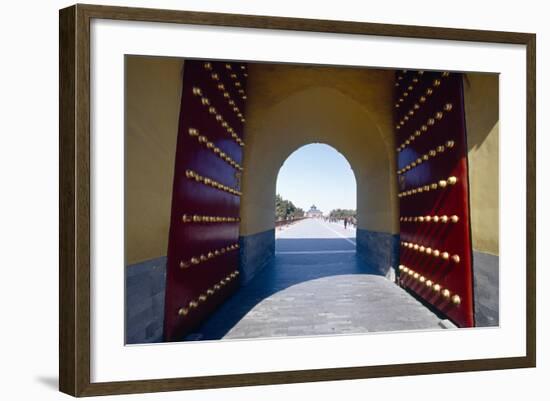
pixel 355 303
pixel 316 286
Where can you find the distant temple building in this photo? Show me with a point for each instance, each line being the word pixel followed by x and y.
pixel 314 212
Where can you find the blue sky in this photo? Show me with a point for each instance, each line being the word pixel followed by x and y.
pixel 318 174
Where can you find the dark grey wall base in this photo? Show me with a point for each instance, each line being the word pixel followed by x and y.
pixel 486 285
pixel 144 295
pixel 379 250
pixel 256 251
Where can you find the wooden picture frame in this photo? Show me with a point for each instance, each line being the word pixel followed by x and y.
pixel 74 206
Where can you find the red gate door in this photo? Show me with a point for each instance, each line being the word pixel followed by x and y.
pixel 203 248
pixel 432 171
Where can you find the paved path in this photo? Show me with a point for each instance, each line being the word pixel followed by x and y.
pixel 316 285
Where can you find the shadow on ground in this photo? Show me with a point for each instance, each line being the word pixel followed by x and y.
pixel 309 259
pixel 313 244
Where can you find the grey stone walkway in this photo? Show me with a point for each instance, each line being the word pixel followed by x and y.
pixel 316 285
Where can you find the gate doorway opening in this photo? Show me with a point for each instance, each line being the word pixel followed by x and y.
pixel 315 205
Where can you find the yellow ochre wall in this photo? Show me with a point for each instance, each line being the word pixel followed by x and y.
pixel 153 93
pixel 349 109
pixel 481 97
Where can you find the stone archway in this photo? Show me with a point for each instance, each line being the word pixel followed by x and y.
pixel 291 106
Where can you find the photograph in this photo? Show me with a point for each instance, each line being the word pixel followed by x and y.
pixel 267 200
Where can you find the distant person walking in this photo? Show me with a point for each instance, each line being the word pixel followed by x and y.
pixel 346 223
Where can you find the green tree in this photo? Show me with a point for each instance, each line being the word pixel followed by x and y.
pixel 285 209
pixel 339 214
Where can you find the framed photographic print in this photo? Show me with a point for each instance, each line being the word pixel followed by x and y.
pixel 250 200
